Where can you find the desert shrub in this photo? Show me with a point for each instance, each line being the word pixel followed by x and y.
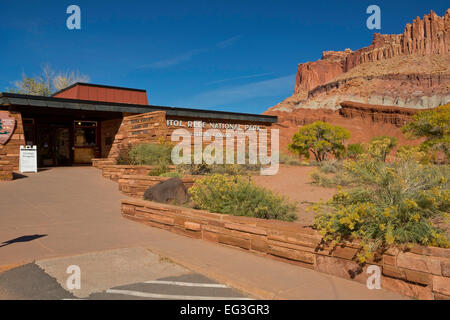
pixel 124 156
pixel 380 147
pixel 322 180
pixel 434 125
pixel 320 139
pixel 393 203
pixel 238 196
pixel 158 170
pixel 150 154
pixel 330 166
pixel 171 174
pixel 289 160
pixel 354 150
pixel 208 169
pixel 413 152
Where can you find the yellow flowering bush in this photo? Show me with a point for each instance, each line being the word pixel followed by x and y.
pixel 380 147
pixel 391 203
pixel 237 195
pixel 434 126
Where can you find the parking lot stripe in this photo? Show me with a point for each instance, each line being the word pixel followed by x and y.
pixel 169 296
pixel 188 284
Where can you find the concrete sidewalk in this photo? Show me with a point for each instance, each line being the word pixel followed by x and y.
pixel 71 211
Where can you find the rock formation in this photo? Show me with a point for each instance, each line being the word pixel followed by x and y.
pixel 423 37
pixel 364 121
pixel 374 90
pixel 411 69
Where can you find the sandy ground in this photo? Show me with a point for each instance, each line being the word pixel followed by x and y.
pixel 295 183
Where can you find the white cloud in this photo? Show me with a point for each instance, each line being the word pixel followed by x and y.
pixel 224 96
pixel 228 42
pixel 166 63
pixel 241 77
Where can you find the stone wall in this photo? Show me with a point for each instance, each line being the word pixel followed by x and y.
pixel 100 162
pixel 423 272
pixel 108 129
pixel 142 128
pixel 10 151
pixel 114 172
pixel 152 127
pixel 135 185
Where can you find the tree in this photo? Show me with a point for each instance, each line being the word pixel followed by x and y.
pixel 48 82
pixel 31 86
pixel 319 138
pixel 379 147
pixel 434 125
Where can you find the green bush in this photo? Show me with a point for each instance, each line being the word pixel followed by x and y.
pixel 124 156
pixel 393 203
pixel 208 169
pixel 434 126
pixel 171 174
pixel 150 154
pixel 238 196
pixel 330 166
pixel 354 150
pixel 380 147
pixel 159 170
pixel 322 179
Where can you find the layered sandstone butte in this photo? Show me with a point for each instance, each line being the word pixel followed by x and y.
pixel 364 121
pixel 411 69
pixel 423 37
pixel 374 90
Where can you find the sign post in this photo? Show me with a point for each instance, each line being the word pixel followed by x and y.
pixel 28 159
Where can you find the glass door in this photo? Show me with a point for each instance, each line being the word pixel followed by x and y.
pixel 85 141
pixel 53 146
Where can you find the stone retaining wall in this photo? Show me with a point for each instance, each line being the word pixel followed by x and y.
pixel 136 185
pixel 10 151
pixel 114 172
pixel 100 162
pixel 422 272
pixel 6 170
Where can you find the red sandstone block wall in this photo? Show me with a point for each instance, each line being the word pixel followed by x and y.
pixel 152 128
pixel 422 272
pixel 10 152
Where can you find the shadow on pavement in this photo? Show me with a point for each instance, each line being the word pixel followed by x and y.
pixel 22 239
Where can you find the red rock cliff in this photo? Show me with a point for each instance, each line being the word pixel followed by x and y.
pixel 427 36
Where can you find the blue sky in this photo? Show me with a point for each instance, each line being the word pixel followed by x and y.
pixel 229 55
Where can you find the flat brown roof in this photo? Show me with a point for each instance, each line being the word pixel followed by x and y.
pixel 76 104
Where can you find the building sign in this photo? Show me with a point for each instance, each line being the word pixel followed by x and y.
pixel 7 126
pixel 211 125
pixel 28 159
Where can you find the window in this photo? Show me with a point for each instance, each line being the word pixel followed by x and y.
pixel 85 134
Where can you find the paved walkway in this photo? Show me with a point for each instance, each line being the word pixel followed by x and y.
pixel 62 212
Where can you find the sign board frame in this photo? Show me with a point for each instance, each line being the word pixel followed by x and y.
pixel 28 159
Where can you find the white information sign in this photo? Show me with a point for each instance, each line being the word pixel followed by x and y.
pixel 28 159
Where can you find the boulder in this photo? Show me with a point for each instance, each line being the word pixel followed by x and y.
pixel 169 191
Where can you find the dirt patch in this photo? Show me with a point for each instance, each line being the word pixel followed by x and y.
pixel 295 183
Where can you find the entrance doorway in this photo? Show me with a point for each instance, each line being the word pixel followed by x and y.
pixel 53 143
pixel 85 141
